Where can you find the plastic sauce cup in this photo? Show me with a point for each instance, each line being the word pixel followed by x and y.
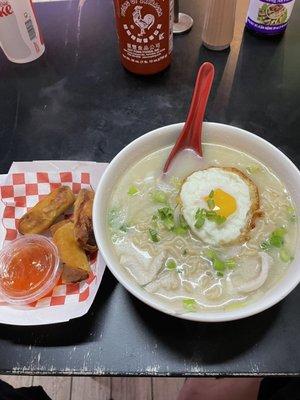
pixel 29 269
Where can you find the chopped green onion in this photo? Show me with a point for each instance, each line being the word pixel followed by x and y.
pixel 253 169
pixel 276 241
pixel 277 237
pixel 290 209
pixel 213 216
pixel 153 235
pixel 154 221
pixel 199 223
pixel 182 228
pixel 218 264
pixel 124 228
pixel 230 263
pixel 210 215
pixel 291 213
pixel 210 254
pixel 132 190
pixel 280 231
pixel 176 182
pixel 183 222
pixel 165 212
pixel 169 224
pixel 179 230
pixel 158 196
pixel 171 264
pixel 210 203
pixel 189 305
pixel 285 255
pixel 200 212
pixel 219 219
pixel 116 220
pixel 113 217
pixel 265 245
pixel 167 217
pixel 200 218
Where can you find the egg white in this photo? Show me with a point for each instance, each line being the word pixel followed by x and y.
pixel 193 192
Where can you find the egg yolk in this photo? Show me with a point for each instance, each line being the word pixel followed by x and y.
pixel 225 204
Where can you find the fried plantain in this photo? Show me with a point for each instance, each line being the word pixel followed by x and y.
pixel 76 265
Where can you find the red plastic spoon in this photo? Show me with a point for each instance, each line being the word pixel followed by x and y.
pixel 190 137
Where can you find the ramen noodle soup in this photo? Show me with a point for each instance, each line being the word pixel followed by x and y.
pixel 215 240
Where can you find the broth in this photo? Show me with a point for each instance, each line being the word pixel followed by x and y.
pixel 174 265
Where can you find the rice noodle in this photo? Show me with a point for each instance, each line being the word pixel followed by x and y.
pixel 256 283
pixel 194 275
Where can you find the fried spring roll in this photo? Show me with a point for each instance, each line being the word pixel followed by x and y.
pixel 83 225
pixel 76 265
pixel 46 211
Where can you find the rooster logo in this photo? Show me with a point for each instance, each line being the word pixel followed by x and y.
pixel 143 23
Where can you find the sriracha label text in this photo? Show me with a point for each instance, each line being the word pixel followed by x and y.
pixel 5 9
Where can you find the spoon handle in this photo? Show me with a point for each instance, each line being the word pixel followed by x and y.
pixel 190 137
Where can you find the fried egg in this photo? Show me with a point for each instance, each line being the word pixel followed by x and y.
pixel 230 195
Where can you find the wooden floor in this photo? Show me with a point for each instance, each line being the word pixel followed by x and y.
pixel 65 388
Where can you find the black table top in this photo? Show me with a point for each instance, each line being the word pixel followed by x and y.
pixel 77 102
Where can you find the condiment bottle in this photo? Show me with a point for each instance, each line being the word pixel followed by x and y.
pixel 269 17
pixel 145 32
pixel 219 24
pixel 20 36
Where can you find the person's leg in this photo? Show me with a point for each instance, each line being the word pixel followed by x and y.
pixel 220 389
pixel 279 388
pixel 7 392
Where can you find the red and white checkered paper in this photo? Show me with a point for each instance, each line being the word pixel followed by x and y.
pixel 19 191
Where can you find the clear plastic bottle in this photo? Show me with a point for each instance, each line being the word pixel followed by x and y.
pixel 145 32
pixel 20 37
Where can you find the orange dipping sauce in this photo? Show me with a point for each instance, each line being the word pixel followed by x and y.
pixel 29 269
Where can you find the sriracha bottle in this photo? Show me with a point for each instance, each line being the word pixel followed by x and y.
pixel 145 31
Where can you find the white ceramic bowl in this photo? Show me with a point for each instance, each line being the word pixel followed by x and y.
pixel 214 133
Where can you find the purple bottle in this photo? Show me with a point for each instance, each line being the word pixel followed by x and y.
pixel 269 17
